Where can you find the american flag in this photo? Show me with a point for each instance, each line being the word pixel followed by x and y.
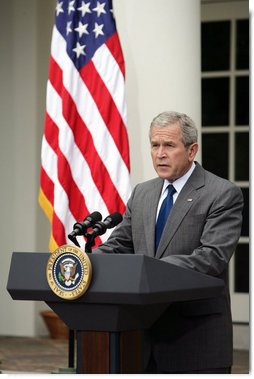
pixel 85 152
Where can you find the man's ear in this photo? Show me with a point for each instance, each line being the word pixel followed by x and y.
pixel 193 149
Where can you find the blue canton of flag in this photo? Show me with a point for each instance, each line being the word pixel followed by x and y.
pixel 85 26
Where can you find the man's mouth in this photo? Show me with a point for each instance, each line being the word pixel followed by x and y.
pixel 162 165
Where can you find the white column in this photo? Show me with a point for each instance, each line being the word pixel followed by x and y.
pixel 161 45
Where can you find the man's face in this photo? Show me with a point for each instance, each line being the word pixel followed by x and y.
pixel 171 159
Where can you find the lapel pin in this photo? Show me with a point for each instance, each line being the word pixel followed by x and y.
pixel 189 199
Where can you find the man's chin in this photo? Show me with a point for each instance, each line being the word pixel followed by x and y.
pixel 163 175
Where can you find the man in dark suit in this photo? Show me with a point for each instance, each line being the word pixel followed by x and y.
pixel 201 233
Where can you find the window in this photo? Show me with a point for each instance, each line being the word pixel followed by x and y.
pixel 225 118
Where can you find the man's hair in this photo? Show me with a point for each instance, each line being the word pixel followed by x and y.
pixel 186 124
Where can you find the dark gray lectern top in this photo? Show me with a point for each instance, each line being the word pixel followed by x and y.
pixel 126 291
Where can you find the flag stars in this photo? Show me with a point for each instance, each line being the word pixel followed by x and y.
pixel 59 8
pixel 98 29
pixel 100 8
pixel 81 29
pixel 71 7
pixel 76 22
pixel 85 8
pixel 68 27
pixel 79 49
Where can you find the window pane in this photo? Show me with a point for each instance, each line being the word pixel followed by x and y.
pixel 242 101
pixel 215 38
pixel 242 156
pixel 242 44
pixel 242 268
pixel 245 224
pixel 215 102
pixel 215 153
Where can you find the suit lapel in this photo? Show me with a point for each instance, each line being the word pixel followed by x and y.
pixel 186 199
pixel 149 214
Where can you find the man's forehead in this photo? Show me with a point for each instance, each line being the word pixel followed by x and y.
pixel 166 132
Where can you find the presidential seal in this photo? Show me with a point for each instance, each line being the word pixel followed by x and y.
pixel 69 272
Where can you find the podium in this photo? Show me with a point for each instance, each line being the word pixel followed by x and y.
pixel 127 294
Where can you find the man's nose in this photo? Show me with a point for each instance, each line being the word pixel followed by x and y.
pixel 161 153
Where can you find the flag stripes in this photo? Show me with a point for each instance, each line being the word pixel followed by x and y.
pixel 104 144
pixel 83 140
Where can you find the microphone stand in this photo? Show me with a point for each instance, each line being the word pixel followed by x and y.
pixel 89 243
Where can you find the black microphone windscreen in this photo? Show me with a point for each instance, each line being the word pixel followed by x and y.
pixel 95 216
pixel 114 219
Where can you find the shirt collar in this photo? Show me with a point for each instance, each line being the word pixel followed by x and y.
pixel 180 182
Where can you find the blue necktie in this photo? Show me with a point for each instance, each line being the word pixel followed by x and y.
pixel 165 209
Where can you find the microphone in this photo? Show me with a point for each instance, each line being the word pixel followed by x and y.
pixel 100 227
pixel 80 228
